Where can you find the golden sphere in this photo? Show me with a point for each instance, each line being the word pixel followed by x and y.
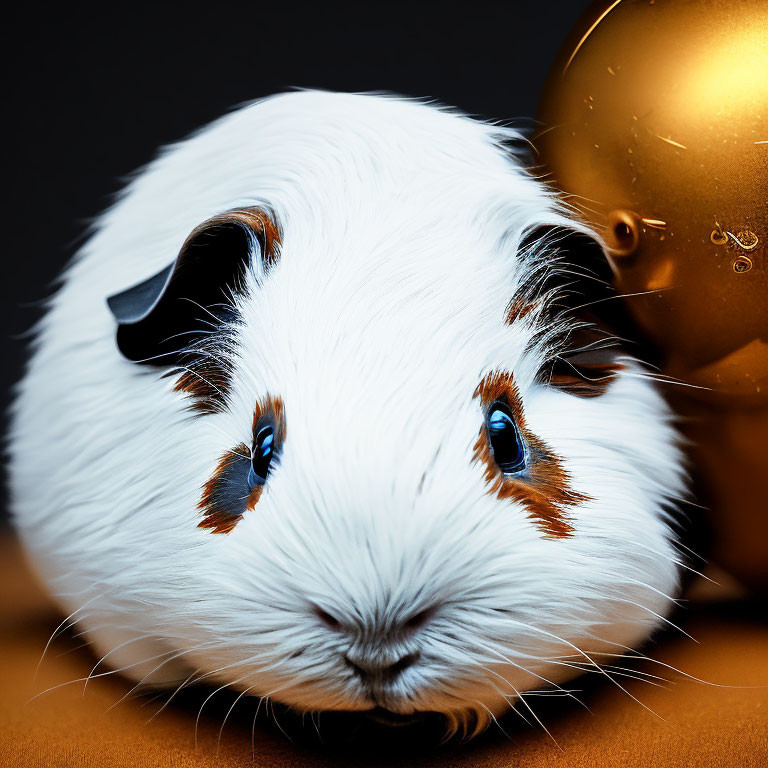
pixel 655 125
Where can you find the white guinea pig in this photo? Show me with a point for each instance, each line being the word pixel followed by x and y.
pixel 316 414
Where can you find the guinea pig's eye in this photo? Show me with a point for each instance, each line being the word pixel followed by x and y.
pixel 507 445
pixel 261 455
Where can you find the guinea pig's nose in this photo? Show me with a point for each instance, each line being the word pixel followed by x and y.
pixel 379 652
pixel 374 666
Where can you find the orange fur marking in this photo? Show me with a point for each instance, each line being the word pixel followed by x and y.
pixel 215 520
pixel 584 380
pixel 545 492
pixel 518 309
pixel 207 385
pixel 587 374
pixel 591 368
pixel 221 521
pixel 259 222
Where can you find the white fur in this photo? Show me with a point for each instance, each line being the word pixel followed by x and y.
pixel 400 224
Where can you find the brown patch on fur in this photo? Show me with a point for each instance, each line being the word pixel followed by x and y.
pixel 258 221
pixel 518 309
pixel 207 385
pixel 216 519
pixel 591 367
pixel 545 491
pixel 583 374
pixel 584 380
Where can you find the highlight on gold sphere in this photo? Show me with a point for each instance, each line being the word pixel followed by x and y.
pixel 655 126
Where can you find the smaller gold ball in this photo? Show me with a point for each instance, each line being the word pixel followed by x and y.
pixel 622 234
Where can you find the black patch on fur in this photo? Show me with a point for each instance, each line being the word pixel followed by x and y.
pixel 162 317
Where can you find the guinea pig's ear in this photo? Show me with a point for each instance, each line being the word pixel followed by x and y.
pixel 166 314
pixel 584 321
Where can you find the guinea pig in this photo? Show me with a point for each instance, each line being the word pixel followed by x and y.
pixel 328 410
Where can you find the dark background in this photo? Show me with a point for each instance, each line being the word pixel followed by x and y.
pixel 91 92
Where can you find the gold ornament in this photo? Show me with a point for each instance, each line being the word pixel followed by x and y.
pixel 655 126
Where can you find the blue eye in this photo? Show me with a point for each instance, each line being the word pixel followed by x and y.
pixel 507 446
pixel 261 455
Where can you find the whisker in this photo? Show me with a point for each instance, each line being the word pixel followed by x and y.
pixel 226 716
pixel 596 666
pixel 68 621
pixel 207 699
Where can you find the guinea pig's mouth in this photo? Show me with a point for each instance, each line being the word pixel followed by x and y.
pixel 383 716
pixel 378 731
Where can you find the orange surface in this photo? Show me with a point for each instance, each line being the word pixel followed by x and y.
pixel 694 725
